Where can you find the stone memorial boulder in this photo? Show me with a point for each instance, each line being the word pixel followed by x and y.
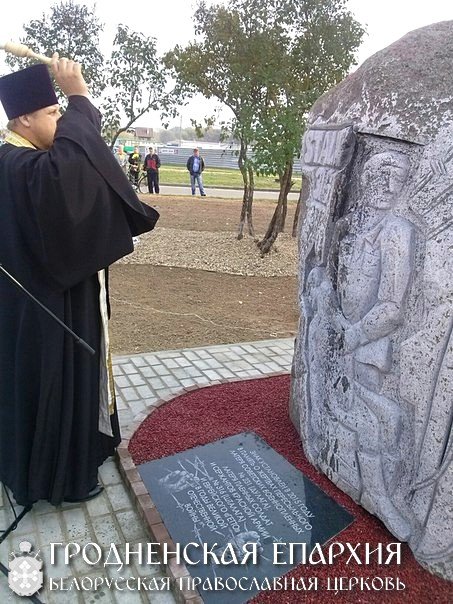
pixel 372 385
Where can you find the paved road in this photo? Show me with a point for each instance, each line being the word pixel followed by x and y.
pixel 224 193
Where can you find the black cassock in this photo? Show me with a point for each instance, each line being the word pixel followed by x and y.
pixel 64 214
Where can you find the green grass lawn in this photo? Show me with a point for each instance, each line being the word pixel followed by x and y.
pixel 218 177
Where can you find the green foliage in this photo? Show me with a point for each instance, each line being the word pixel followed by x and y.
pixel 73 31
pixel 137 82
pixel 134 78
pixel 268 62
pixel 312 45
pixel 223 63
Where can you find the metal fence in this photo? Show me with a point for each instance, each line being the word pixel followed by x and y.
pixel 214 158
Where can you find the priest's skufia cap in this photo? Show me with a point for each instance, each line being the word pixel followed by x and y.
pixel 26 91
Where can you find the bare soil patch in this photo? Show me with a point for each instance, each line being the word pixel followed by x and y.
pixel 212 214
pixel 161 300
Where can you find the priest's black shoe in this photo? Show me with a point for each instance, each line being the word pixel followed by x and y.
pixel 91 495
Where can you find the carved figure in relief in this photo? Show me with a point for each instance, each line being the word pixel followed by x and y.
pixel 322 312
pixel 353 310
pixel 375 267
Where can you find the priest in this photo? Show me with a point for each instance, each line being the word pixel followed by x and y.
pixel 67 211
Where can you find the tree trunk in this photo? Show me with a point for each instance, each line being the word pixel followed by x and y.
pixel 277 222
pixel 250 202
pixel 243 211
pixel 286 183
pixel 247 198
pixel 296 215
pixel 284 212
pixel 245 195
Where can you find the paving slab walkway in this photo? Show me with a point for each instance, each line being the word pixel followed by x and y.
pixel 141 382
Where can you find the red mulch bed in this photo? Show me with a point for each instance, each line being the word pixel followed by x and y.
pixel 208 414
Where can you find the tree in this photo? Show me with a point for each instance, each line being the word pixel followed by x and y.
pixel 278 135
pixel 137 83
pixel 225 62
pixel 268 62
pixel 314 46
pixel 73 31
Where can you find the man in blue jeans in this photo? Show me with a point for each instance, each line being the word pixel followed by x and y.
pixel 195 165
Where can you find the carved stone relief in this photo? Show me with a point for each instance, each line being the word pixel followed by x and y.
pixel 372 376
pixel 373 370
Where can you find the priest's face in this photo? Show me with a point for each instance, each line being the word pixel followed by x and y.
pixel 42 126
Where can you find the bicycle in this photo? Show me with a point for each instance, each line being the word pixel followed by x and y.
pixel 139 185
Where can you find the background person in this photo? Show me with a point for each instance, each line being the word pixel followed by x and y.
pixel 195 165
pixel 122 158
pixel 151 166
pixel 135 161
pixel 67 212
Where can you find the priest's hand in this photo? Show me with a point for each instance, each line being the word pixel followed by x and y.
pixel 68 76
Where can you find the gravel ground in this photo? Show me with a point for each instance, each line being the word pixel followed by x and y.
pixel 220 252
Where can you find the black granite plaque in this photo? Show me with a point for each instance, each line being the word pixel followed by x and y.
pixel 234 491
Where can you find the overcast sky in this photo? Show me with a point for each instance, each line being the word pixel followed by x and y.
pixel 170 22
